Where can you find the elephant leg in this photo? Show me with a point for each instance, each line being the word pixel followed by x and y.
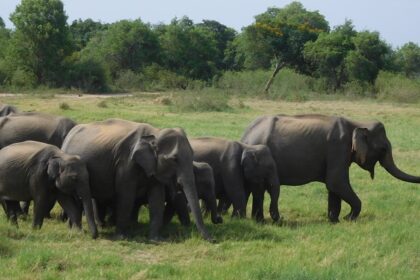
pixel 156 200
pixel 258 205
pixel 40 209
pixel 334 207
pixel 25 207
pixel 168 214
pixel 223 205
pixel 135 213
pixel 235 191
pixel 274 204
pixel 349 196
pixel 210 200
pixel 180 205
pixel 50 206
pixel 124 205
pixel 12 211
pixel 355 203
pixel 72 208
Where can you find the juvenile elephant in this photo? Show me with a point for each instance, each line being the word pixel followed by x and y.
pixel 7 109
pixel 240 169
pixel 18 127
pixel 204 181
pixel 42 172
pixel 127 160
pixel 321 148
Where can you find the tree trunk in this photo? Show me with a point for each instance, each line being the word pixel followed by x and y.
pixel 279 66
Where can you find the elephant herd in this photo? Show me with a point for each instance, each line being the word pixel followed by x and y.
pixel 109 169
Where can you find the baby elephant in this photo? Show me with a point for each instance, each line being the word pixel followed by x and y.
pixel 204 182
pixel 41 172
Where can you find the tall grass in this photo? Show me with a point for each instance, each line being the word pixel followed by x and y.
pixel 288 85
pixel 396 87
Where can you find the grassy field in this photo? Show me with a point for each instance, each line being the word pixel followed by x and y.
pixel 383 244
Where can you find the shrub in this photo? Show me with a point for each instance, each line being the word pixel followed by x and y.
pixel 64 106
pixel 87 76
pixel 102 104
pixel 287 85
pixel 396 87
pixel 23 79
pixel 202 101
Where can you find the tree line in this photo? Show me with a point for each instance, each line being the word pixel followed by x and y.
pixel 44 50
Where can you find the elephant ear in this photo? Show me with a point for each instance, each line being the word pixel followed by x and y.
pixel 144 154
pixel 53 168
pixel 249 159
pixel 360 144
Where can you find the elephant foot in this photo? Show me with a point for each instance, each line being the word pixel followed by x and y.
pixel 157 240
pixel 217 220
pixel 350 217
pixel 120 236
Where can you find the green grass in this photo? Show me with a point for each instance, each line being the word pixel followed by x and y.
pixel 383 244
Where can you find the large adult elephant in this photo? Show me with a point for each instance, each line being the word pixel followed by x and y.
pixel 127 160
pixel 240 169
pixel 42 172
pixel 34 126
pixel 6 109
pixel 321 148
pixel 18 127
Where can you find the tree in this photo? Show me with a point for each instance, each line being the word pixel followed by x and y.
pixel 41 39
pixel 83 30
pixel 2 25
pixel 408 59
pixel 125 45
pixel 223 36
pixel 188 49
pixel 326 56
pixel 282 33
pixel 368 57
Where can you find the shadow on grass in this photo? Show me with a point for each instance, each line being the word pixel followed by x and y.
pixel 232 229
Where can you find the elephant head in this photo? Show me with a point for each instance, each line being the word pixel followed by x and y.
pixel 370 145
pixel 70 175
pixel 168 157
pixel 259 166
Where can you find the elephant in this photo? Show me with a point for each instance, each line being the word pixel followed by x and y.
pixel 42 172
pixel 7 109
pixel 239 170
pixel 18 127
pixel 204 181
pixel 321 148
pixel 127 160
pixel 34 126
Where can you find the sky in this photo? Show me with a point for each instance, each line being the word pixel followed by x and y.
pixel 398 21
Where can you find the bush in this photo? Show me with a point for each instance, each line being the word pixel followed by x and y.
pixel 287 84
pixel 202 101
pixel 23 79
pixel 154 78
pixel 87 76
pixel 64 106
pixel 358 88
pixel 396 87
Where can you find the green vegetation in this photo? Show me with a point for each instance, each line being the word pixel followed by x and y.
pixel 43 50
pixel 382 244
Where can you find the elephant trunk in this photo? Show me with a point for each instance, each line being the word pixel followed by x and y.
pixel 388 163
pixel 188 185
pixel 88 207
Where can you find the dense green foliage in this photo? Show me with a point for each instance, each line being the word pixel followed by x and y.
pixel 382 244
pixel 44 50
